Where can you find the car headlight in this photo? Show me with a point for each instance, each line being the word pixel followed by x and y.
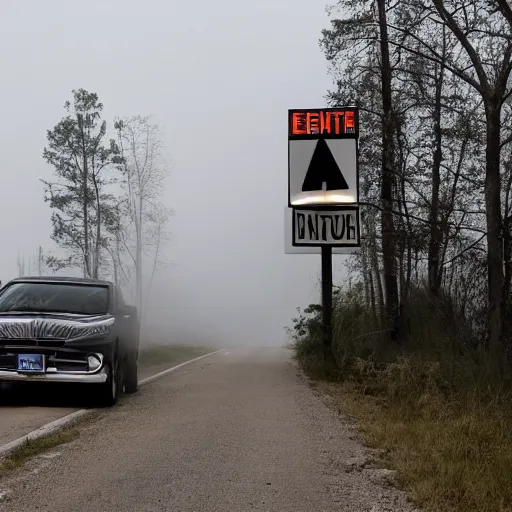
pixel 94 361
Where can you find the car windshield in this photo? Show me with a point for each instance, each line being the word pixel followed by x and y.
pixel 55 298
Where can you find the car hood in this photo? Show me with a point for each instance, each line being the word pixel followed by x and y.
pixel 56 327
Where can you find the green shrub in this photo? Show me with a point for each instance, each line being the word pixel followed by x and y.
pixel 443 421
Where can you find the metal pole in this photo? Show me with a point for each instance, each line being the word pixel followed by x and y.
pixel 327 298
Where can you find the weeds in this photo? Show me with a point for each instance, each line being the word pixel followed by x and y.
pixel 32 448
pixel 442 421
pixel 169 354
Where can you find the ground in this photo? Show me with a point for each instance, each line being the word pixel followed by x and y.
pixel 24 408
pixel 241 430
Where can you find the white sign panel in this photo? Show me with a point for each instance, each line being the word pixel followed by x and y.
pixel 322 157
pixel 289 248
pixel 326 226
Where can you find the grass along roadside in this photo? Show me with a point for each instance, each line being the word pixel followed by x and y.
pixel 449 459
pixel 30 449
pixel 150 360
pixel 428 405
pixel 169 355
pixel 34 447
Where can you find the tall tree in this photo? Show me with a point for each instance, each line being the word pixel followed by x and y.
pixel 358 44
pixel 450 63
pixel 81 155
pixel 389 170
pixel 141 227
pixel 483 29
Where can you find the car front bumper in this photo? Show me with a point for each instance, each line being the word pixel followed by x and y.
pixel 49 376
pixel 63 363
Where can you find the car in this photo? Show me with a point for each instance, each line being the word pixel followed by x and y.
pixel 69 330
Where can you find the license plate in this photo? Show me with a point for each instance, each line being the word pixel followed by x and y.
pixel 31 363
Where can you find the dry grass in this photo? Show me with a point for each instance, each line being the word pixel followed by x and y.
pixel 439 418
pixel 32 448
pixel 169 354
pixel 451 455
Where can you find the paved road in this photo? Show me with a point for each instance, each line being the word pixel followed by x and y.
pixel 27 407
pixel 239 431
pixel 24 408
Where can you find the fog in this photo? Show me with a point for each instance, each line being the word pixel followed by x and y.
pixel 219 78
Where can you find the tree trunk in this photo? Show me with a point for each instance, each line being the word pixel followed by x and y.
pixel 494 230
pixel 401 267
pixel 40 261
pixel 116 270
pixel 409 269
pixel 388 234
pixel 372 297
pixel 138 263
pixel 85 179
pixel 98 230
pixel 507 264
pixel 155 261
pixel 376 271
pixel 416 263
pixel 366 271
pixel 434 246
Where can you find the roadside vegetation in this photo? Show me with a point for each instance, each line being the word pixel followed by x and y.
pixel 439 417
pixel 109 220
pixel 169 355
pixel 421 356
pixel 32 448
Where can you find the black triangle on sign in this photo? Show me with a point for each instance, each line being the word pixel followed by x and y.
pixel 323 169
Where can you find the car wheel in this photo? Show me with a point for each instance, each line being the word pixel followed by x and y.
pixel 109 392
pixel 131 384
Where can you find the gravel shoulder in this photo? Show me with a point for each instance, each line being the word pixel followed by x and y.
pixel 238 431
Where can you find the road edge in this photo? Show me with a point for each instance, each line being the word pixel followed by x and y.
pixel 60 423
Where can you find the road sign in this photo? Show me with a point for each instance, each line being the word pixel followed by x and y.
pixel 322 156
pixel 289 248
pixel 326 226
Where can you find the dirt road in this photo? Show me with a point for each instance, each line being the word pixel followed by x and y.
pixel 236 432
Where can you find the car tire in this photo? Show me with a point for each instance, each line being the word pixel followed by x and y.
pixel 109 390
pixel 131 384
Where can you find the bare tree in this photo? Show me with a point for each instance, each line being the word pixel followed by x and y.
pixel 141 227
pixel 388 167
pixel 483 30
pixel 449 63
pixel 20 262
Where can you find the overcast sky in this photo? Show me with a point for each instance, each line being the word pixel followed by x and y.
pixel 219 78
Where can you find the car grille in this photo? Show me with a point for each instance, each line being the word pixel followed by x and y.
pixel 7 362
pixel 72 363
pixel 57 359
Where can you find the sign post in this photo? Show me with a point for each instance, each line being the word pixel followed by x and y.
pixel 327 297
pixel 323 189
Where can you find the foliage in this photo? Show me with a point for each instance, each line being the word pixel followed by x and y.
pixel 106 201
pixel 430 407
pixel 431 385
pixel 83 209
pixel 449 65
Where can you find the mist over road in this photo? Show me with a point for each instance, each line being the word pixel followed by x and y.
pixel 238 431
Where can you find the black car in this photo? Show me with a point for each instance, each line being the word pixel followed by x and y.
pixel 64 329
